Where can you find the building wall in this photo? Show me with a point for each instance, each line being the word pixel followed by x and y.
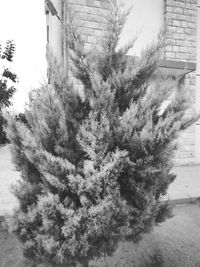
pixel 181 22
pixel 179 16
pixel 180 19
pixel 54 31
pixel 89 15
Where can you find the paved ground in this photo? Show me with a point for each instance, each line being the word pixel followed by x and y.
pixel 8 176
pixel 185 187
pixel 174 243
pixel 187 184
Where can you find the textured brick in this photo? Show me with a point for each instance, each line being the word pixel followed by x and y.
pixel 180 30
pixel 183 49
pixel 178 10
pixel 81 2
pixel 181 36
pixel 90 17
pixel 171 41
pixel 177 23
pixel 189 12
pixel 170 55
pixel 169 9
pixel 180 18
pixel 169 2
pixel 192 25
pixel 169 48
pixel 180 42
pixel 172 29
pixel 180 4
pixel 184 24
pixel 176 48
pixel 89 2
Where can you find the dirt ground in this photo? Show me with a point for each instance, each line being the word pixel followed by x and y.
pixel 175 243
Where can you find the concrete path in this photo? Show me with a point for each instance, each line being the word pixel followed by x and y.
pixel 185 188
pixel 8 176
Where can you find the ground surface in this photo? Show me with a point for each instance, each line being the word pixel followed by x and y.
pixel 8 176
pixel 187 183
pixel 175 243
pixel 10 251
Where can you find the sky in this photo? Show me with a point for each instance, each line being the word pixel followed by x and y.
pixel 24 22
pixel 145 21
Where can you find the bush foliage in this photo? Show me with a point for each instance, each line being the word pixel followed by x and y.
pixel 6 91
pixel 94 165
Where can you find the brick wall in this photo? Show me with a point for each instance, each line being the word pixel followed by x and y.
pixel 90 18
pixel 180 19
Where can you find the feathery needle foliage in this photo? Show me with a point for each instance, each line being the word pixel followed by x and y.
pixel 94 166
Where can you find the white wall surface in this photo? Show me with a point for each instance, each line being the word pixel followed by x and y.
pixel 55 34
pixel 197 126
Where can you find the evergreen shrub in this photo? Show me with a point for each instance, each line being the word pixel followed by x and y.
pixel 95 165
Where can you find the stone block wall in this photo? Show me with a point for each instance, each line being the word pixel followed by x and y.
pixel 180 19
pixel 90 16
